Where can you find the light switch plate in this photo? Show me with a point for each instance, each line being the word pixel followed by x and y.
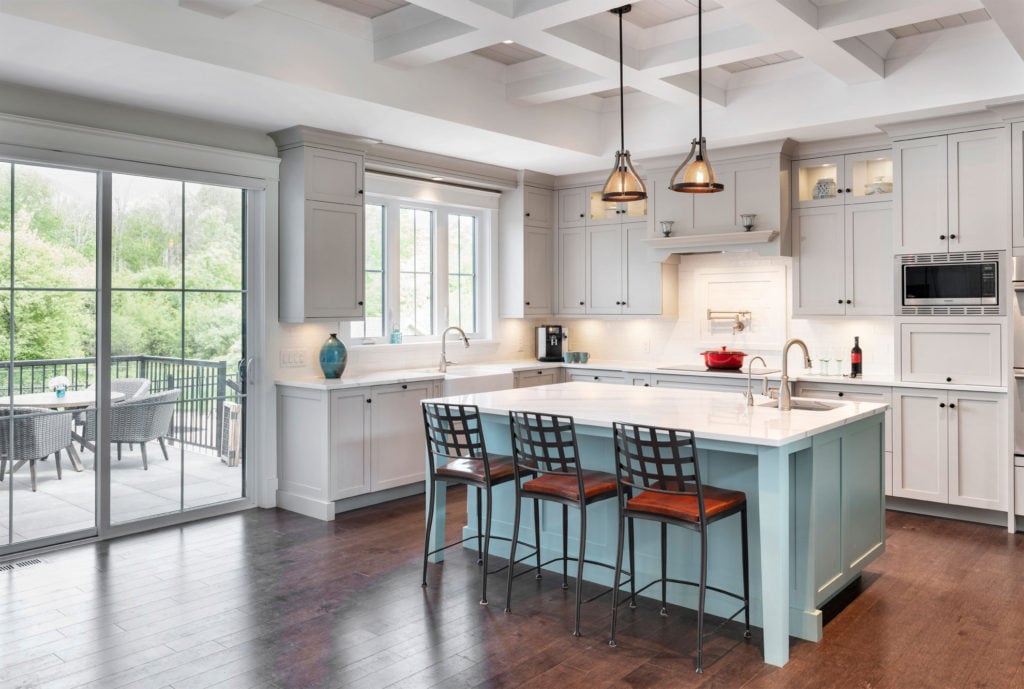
pixel 293 357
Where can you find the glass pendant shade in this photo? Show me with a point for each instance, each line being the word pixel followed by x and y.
pixel 697 177
pixel 623 183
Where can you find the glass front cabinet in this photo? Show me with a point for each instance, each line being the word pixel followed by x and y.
pixel 844 179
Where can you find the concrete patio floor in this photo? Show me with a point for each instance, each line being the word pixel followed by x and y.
pixel 68 505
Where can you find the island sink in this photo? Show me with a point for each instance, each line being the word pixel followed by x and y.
pixel 804 405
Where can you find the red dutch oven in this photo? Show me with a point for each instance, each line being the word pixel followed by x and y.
pixel 723 358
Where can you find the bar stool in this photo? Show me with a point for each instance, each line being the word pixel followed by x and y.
pixel 546 445
pixel 457 455
pixel 662 464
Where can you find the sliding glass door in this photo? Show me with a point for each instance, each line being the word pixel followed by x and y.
pixel 169 437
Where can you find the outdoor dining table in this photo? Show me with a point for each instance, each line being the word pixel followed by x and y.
pixel 72 399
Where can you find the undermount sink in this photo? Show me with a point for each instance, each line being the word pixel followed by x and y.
pixel 804 404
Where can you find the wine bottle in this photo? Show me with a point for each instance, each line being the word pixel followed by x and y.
pixel 855 359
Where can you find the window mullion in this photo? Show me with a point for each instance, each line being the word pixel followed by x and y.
pixel 441 271
pixel 392 267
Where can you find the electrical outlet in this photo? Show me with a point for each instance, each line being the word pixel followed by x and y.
pixel 293 357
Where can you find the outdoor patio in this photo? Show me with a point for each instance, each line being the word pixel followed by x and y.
pixel 68 504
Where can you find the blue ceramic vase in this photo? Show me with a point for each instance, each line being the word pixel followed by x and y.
pixel 333 357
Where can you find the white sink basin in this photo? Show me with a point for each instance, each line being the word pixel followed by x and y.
pixel 804 404
pixel 466 380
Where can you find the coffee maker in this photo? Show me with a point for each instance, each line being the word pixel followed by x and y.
pixel 551 342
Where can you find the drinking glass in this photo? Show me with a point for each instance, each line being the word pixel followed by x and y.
pixel 839 366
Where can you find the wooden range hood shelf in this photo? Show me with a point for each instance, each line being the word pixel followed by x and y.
pixel 720 241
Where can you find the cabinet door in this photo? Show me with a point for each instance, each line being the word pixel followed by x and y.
pixel 539 205
pixel 634 210
pixel 978 188
pixel 920 445
pixel 397 444
pixel 601 212
pixel 868 257
pixel 818 181
pixel 818 284
pixel 333 176
pixel 348 456
pixel 868 177
pixel 542 376
pixel 963 354
pixel 1017 183
pixel 537 271
pixel 642 293
pixel 604 269
pixel 978 455
pixel 921 218
pixel 572 270
pixel 572 207
pixel 333 254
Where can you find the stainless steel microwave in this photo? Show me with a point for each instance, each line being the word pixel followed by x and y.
pixel 965 283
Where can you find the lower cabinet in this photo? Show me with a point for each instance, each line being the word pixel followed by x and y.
pixel 595 376
pixel 951 447
pixel 339 444
pixel 710 383
pixel 534 377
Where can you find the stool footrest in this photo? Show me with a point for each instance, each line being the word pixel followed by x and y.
pixel 464 540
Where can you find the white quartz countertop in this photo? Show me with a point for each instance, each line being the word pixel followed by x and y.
pixel 413 375
pixel 722 416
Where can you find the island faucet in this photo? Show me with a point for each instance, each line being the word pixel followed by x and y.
pixel 785 404
pixel 444 343
pixel 764 388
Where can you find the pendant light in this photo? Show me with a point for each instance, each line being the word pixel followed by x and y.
pixel 699 177
pixel 623 183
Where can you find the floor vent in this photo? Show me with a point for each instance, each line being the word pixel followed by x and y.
pixel 10 566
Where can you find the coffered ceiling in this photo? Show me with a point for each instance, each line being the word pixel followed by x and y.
pixel 526 83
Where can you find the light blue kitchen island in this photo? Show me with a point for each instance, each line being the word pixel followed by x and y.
pixel 813 479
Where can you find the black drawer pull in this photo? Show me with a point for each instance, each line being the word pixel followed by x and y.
pixel 368 400
pixel 942 236
pixel 952 236
pixel 839 301
pixel 942 405
pixel 841 394
pixel 948 379
pixel 405 387
pixel 360 303
pixel 952 406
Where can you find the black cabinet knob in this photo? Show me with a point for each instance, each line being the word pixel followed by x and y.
pixel 360 303
pixel 581 303
pixel 952 236
pixel 839 191
pixel 368 400
pixel 942 236
pixel 848 191
pixel 839 301
pixel 360 191
pixel 848 301
pixel 948 379
pixel 527 303
pixel 597 378
pixel 841 394
pixel 647 385
pixel 527 215
pixel 581 215
pixel 942 405
pixel 952 406
pixel 405 387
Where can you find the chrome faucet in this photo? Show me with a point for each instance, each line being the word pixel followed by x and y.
pixel 764 388
pixel 785 404
pixel 444 343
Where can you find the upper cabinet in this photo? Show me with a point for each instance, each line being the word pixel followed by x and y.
pixel 843 179
pixel 572 207
pixel 1017 180
pixel 526 248
pixel 321 227
pixel 611 212
pixel 951 193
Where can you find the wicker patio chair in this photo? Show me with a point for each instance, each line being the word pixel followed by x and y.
pixel 132 388
pixel 37 434
pixel 138 421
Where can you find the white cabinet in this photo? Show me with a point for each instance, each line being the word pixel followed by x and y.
pixel 596 376
pixel 321 228
pixel 1017 182
pixel 952 193
pixel 841 259
pixel 341 444
pixel 857 393
pixel 538 207
pixel 958 353
pixel 844 179
pixel 723 383
pixel 534 377
pixel 621 277
pixel 526 245
pixel 601 212
pixel 572 207
pixel 950 447
pixel 572 273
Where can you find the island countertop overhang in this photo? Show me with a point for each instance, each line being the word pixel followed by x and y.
pixel 721 416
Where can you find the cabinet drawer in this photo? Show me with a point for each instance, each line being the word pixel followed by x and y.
pixel 1018 490
pixel 960 354
pixel 597 376
pixel 702 383
pixel 533 378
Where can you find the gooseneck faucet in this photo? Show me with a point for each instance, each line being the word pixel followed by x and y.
pixel 785 403
pixel 750 367
pixel 444 343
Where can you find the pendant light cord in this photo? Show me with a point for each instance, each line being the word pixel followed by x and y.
pixel 622 104
pixel 700 71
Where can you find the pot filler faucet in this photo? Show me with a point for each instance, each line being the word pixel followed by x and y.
pixel 785 404
pixel 444 343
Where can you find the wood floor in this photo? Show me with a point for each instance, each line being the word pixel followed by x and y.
pixel 271 599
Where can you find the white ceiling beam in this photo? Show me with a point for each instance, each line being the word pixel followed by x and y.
pixel 217 8
pixel 1009 17
pixel 795 22
pixel 860 17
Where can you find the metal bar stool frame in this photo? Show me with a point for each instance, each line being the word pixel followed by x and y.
pixel 546 445
pixel 454 435
pixel 665 461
